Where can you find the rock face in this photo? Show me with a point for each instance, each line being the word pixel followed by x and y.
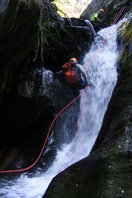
pixel 18 32
pixel 107 171
pixel 16 36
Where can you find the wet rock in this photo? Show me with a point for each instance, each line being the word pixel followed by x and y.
pixel 94 177
pixel 24 119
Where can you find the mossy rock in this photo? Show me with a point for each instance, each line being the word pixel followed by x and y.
pixel 124 42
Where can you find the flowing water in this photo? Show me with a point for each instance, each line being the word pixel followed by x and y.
pixel 102 75
pixel 3 4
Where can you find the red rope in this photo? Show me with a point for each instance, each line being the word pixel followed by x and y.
pixel 118 15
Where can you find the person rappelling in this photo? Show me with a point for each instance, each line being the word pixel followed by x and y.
pixel 73 74
pixel 98 16
pixel 97 19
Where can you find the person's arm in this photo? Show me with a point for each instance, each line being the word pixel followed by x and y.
pixel 65 66
pixel 97 17
pixel 83 72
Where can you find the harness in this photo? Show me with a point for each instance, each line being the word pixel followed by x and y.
pixel 72 73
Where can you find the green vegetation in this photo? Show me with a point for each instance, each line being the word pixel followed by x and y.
pixel 71 8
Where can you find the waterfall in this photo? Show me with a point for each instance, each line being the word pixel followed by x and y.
pixel 91 26
pixel 3 4
pixel 102 75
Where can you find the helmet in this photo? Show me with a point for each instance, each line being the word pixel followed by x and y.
pixel 101 10
pixel 73 60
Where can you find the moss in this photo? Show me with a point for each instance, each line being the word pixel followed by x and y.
pixel 45 27
pixel 37 2
pixel 124 41
pixel 50 35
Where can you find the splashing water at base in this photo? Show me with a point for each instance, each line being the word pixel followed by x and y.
pixel 102 74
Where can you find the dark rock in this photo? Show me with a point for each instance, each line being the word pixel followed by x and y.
pixel 18 27
pixel 94 177
pixel 19 117
pixel 22 120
